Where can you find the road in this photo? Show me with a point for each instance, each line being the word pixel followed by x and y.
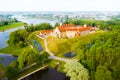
pixel 52 56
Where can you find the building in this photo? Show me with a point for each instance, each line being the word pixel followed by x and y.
pixel 68 30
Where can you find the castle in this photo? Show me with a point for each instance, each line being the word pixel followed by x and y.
pixel 69 31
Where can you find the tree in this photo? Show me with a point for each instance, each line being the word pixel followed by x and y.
pixel 2 71
pixel 27 58
pixel 12 69
pixel 102 73
pixel 18 38
pixel 116 70
pixel 76 71
pixel 56 24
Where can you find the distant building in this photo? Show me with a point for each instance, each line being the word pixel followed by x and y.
pixel 69 30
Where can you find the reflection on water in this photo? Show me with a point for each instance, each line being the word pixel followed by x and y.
pixel 48 74
pixel 70 55
pixel 6 59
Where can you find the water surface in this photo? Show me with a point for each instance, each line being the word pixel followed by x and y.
pixel 6 59
pixel 48 74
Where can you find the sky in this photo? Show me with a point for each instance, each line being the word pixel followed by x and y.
pixel 59 5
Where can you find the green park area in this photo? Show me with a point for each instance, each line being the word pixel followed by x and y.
pixel 12 25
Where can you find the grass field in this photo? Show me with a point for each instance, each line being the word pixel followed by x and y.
pixel 13 50
pixel 13 25
pixel 58 46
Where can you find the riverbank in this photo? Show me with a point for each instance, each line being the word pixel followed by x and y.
pixel 13 25
pixel 16 51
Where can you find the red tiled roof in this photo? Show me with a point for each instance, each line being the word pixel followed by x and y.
pixel 63 29
pixel 46 31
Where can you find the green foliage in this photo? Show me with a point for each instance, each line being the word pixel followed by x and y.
pixel 31 56
pixel 116 70
pixel 12 25
pixel 12 69
pixel 42 58
pixel 76 71
pixel 104 50
pixel 104 25
pixel 42 26
pixel 56 64
pixel 13 50
pixel 2 71
pixel 56 24
pixel 8 21
pixel 18 38
pixel 27 58
pixel 102 73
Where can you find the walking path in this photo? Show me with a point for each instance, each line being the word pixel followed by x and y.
pixel 32 72
pixel 52 56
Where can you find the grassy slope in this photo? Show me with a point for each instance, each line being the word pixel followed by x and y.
pixel 58 46
pixel 88 38
pixel 13 50
pixel 61 46
pixel 13 25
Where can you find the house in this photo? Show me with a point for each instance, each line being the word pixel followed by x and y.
pixel 69 30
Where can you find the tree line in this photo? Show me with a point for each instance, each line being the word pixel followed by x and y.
pixel 7 22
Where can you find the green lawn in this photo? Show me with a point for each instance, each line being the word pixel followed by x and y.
pixel 13 50
pixel 12 25
pixel 64 45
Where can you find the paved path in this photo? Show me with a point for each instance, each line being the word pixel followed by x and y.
pixel 52 56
